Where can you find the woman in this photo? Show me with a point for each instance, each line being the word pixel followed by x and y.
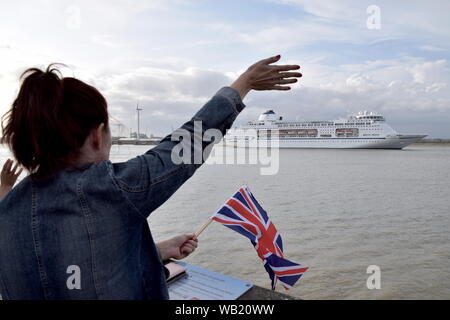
pixel 79 213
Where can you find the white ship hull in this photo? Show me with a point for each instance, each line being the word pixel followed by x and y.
pixel 361 131
pixel 398 143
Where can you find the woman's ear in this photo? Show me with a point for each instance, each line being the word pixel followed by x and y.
pixel 98 136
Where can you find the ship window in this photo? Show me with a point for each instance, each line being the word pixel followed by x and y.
pixel 298 133
pixel 348 132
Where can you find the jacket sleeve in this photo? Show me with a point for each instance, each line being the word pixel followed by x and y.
pixel 150 179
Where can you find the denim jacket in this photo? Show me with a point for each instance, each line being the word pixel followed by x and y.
pixel 83 234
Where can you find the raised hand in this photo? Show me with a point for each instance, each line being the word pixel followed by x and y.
pixel 265 76
pixel 8 177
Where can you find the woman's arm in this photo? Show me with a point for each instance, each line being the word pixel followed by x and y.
pixel 149 180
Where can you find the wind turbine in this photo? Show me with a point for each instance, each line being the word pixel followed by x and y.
pixel 138 120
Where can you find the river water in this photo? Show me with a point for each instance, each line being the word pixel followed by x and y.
pixel 338 211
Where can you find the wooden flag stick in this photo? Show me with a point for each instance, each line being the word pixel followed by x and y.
pixel 203 227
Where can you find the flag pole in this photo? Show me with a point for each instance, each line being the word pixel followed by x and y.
pixel 203 227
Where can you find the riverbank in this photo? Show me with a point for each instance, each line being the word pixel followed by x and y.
pixel 434 141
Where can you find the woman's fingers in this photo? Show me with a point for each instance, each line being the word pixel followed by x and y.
pixel 186 252
pixel 15 168
pixel 271 60
pixel 18 173
pixel 283 81
pixel 290 74
pixel 268 85
pixel 7 166
pixel 187 249
pixel 286 67
pixel 281 88
pixel 191 244
pixel 279 76
pixel 190 237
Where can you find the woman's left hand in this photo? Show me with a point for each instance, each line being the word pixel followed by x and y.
pixel 178 247
pixel 263 75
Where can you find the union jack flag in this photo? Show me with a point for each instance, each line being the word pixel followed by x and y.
pixel 243 214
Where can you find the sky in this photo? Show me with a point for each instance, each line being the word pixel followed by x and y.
pixel 171 56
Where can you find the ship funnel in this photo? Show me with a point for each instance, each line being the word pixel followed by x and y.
pixel 269 115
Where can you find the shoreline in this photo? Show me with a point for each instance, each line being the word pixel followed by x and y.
pixel 434 141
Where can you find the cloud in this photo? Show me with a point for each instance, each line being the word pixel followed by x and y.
pixel 349 10
pixel 173 55
pixel 414 95
pixel 415 88
pixel 427 22
pixel 431 72
pixel 431 48
pixel 168 97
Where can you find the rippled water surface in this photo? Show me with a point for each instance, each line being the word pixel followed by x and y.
pixel 338 211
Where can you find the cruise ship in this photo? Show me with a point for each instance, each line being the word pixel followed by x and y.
pixel 364 130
